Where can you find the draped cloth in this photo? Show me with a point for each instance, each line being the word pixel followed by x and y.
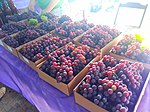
pixel 20 77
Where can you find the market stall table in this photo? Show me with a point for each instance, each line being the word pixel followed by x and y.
pixel 20 77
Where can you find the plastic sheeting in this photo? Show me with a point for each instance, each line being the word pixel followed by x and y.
pixel 18 76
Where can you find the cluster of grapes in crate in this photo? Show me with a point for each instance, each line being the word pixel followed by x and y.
pixel 11 28
pixel 112 84
pixel 48 16
pixel 131 48
pixel 19 17
pixel 3 34
pixel 99 36
pixel 113 32
pixel 40 18
pixel 65 64
pixel 73 29
pixel 48 25
pixel 31 15
pixel 43 47
pixel 54 23
pixel 64 18
pixel 23 37
pixel 33 18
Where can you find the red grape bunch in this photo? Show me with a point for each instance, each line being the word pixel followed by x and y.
pixel 43 47
pixel 49 25
pixel 73 29
pixel 113 32
pixel 112 84
pixel 97 37
pixel 131 48
pixel 11 28
pixel 65 64
pixel 23 37
pixel 3 34
pixel 19 17
pixel 64 18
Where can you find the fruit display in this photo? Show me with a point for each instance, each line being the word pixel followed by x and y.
pixel 3 34
pixel 113 32
pixel 11 28
pixel 66 54
pixel 63 65
pixel 73 29
pixel 33 22
pixel 19 17
pixel 49 15
pixel 64 18
pixel 23 37
pixel 99 36
pixel 113 84
pixel 49 25
pixel 131 47
pixel 40 31
pixel 39 18
pixel 44 18
pixel 41 48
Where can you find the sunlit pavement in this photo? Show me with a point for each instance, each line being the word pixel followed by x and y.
pixel 15 102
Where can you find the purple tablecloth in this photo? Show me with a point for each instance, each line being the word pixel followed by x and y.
pixel 20 4
pixel 18 76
